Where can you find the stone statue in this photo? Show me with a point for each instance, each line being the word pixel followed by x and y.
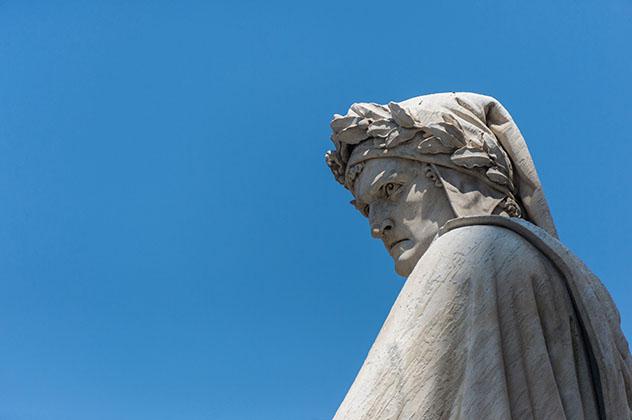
pixel 497 319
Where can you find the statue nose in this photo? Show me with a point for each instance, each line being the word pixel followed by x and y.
pixel 377 230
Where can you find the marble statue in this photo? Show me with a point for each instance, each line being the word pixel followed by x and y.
pixel 497 319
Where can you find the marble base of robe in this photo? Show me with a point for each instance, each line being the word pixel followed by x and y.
pixel 484 328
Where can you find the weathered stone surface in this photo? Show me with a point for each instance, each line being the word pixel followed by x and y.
pixel 497 319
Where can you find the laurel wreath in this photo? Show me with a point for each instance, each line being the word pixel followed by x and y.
pixel 433 133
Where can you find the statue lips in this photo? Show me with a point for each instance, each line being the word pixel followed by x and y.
pixel 394 245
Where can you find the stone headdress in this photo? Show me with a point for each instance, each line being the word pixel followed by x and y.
pixel 464 136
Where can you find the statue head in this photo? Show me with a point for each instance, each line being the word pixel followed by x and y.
pixel 414 165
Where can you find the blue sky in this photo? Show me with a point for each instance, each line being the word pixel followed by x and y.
pixel 172 244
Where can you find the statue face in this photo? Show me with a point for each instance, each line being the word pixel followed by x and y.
pixel 404 207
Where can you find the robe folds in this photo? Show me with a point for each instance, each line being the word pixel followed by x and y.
pixel 498 320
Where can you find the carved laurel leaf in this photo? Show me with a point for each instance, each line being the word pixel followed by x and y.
pixel 448 118
pixel 498 177
pixel 364 123
pixel 401 116
pixel 489 149
pixel 432 145
pixel 392 137
pixel 455 132
pixel 371 110
pixel 381 128
pixel 351 135
pixel 401 135
pixel 406 134
pixel 340 122
pixel 449 136
pixel 470 158
pixel 499 157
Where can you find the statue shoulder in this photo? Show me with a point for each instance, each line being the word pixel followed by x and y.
pixel 482 247
pixel 483 236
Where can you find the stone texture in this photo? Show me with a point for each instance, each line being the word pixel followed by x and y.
pixel 497 319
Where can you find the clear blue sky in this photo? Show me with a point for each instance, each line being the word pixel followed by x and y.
pixel 172 245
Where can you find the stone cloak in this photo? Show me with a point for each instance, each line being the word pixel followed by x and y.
pixel 498 320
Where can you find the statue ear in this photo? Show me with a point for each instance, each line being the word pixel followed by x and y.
pixel 467 195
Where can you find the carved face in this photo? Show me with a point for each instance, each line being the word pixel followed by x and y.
pixel 404 206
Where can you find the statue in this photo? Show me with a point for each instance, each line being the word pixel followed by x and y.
pixel 497 319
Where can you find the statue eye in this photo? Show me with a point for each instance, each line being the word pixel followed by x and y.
pixel 390 189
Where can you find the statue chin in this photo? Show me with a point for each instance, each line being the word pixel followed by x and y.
pixel 405 263
pixel 403 270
